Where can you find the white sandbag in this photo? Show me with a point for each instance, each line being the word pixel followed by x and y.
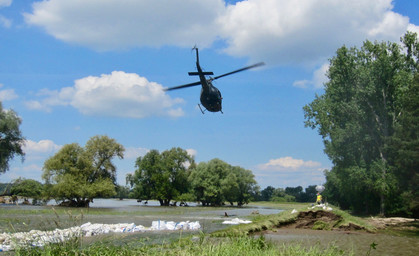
pixel 40 238
pixel 236 221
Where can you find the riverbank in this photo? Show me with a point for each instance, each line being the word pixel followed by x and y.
pixel 291 227
pixel 306 227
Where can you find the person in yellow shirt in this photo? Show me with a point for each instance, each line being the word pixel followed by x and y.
pixel 319 198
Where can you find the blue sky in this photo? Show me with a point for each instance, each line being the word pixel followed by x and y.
pixel 76 69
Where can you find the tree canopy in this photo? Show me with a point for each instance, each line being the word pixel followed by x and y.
pixel 362 109
pixel 27 188
pixel 11 139
pixel 78 174
pixel 215 182
pixel 161 176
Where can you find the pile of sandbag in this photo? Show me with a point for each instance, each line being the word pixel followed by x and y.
pixel 11 241
pixel 236 221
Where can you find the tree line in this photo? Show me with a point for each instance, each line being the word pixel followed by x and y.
pixel 368 118
pixel 76 175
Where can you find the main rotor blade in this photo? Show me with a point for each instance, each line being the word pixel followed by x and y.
pixel 239 70
pixel 182 86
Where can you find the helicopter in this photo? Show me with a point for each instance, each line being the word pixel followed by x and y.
pixel 210 98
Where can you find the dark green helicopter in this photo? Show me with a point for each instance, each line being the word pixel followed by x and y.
pixel 211 97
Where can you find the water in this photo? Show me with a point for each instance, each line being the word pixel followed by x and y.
pixel 111 211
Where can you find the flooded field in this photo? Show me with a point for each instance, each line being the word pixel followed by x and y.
pixel 109 211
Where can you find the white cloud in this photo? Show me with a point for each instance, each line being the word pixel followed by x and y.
pixel 118 94
pixel 42 146
pixel 115 24
pixel 5 22
pixel 275 31
pixel 288 163
pixel 134 153
pixel 289 172
pixel 8 94
pixel 37 150
pixel 413 28
pixel 304 31
pixel 192 152
pixel 5 3
pixel 318 80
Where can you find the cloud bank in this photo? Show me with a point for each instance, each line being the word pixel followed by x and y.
pixel 279 32
pixel 118 94
pixel 7 94
pixel 288 172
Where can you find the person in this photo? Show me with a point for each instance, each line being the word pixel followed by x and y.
pixel 319 198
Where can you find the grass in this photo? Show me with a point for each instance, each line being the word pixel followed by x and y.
pixel 270 222
pixel 197 245
pixel 234 240
pixel 261 223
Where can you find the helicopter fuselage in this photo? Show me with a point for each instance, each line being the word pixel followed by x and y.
pixel 210 96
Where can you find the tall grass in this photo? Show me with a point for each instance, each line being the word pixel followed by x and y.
pixel 202 245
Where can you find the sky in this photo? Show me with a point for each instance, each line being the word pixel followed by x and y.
pixel 76 69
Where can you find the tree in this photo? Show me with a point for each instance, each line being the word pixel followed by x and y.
pixel 267 193
pixel 27 188
pixel 79 174
pixel 404 151
pixel 296 192
pixel 11 139
pixel 309 194
pixel 215 182
pixel 162 177
pixel 239 185
pixel 357 117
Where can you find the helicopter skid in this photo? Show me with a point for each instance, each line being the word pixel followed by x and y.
pixel 203 111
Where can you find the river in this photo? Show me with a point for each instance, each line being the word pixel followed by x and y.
pixel 111 211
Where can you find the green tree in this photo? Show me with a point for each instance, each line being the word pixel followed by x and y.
pixel 404 151
pixel 267 193
pixel 215 182
pixel 239 185
pixel 206 181
pixel 309 194
pixel 279 195
pixel 162 177
pixel 27 188
pixel 11 139
pixel 357 116
pixel 296 192
pixel 79 174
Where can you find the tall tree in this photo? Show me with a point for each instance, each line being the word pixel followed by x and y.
pixel 206 181
pixel 357 116
pixel 11 139
pixel 162 177
pixel 239 185
pixel 267 193
pixel 215 182
pixel 27 188
pixel 78 174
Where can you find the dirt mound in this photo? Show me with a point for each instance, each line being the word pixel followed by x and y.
pixel 316 220
pixel 311 219
pixel 321 220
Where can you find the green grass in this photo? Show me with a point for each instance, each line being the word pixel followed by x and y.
pixel 234 240
pixel 271 222
pixel 280 205
pixel 198 245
